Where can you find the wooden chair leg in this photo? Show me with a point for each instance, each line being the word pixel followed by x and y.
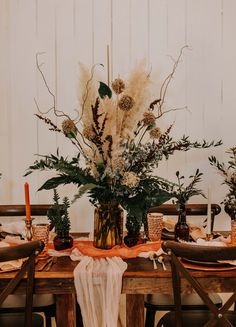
pixel 79 320
pixel 150 318
pixel 48 320
pixel 159 324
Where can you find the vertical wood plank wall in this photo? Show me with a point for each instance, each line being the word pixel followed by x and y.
pixel 68 32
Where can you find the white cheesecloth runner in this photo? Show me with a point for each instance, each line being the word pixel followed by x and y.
pixel 98 285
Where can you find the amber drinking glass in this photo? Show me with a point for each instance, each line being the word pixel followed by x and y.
pixel 155 223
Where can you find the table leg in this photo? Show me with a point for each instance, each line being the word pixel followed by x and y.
pixel 134 310
pixel 66 310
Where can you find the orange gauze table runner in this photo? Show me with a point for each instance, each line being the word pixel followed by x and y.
pixel 86 248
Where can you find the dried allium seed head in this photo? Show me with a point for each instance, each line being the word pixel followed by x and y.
pixel 89 133
pixel 126 103
pixel 68 126
pixel 118 163
pixel 148 118
pixel 155 133
pixel 130 179
pixel 118 85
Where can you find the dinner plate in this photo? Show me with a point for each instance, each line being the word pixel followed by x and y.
pixel 206 263
pixel 9 270
pixel 198 266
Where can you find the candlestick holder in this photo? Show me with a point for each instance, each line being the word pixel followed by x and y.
pixel 28 229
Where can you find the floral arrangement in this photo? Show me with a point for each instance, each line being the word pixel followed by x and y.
pixel 228 171
pixel 118 140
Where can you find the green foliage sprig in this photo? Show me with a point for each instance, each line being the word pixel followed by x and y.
pixel 183 193
pixel 228 171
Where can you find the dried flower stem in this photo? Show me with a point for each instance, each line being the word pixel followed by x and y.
pixel 85 96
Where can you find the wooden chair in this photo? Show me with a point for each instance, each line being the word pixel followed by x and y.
pixel 165 302
pixel 215 316
pixel 29 251
pixel 42 302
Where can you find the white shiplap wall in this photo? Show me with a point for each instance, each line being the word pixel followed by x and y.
pixel 73 31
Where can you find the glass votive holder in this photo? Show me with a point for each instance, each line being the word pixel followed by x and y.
pixel 233 232
pixel 155 223
pixel 41 232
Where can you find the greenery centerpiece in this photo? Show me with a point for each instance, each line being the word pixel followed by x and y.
pixel 58 216
pixel 119 146
pixel 228 172
pixel 182 194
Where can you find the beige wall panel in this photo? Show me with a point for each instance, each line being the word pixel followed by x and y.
pixel 73 31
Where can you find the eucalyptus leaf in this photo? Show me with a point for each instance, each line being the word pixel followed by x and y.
pixel 104 90
pixel 53 183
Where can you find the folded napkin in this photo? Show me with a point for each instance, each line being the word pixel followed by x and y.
pixel 9 265
pixel 98 285
pixel 217 242
pixel 4 244
pixel 16 227
pixel 195 230
pixel 14 240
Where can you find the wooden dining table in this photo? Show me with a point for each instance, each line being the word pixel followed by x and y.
pixel 140 278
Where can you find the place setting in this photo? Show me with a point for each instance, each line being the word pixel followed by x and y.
pixel 23 231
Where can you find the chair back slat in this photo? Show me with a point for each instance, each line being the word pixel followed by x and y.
pixel 192 209
pixel 177 251
pixel 19 210
pixel 201 252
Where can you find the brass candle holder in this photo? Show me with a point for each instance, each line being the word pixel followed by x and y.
pixel 28 229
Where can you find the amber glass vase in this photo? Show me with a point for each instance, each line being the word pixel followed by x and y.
pixel 182 228
pixel 108 225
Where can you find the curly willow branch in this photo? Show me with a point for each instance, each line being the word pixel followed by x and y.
pixel 56 112
pixel 167 81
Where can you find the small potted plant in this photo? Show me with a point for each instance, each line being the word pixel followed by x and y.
pixel 182 194
pixel 59 219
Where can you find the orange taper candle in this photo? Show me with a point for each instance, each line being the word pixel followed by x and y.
pixel 27 201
